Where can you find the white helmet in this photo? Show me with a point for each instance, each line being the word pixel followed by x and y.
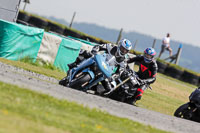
pixel 124 47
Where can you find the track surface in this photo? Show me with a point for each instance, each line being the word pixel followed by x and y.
pixel 47 85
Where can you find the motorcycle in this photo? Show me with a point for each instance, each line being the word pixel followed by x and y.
pixel 83 54
pixel 126 87
pixel 90 72
pixel 190 110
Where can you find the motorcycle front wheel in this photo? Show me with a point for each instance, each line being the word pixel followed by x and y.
pixel 184 111
pixel 78 82
pixel 63 81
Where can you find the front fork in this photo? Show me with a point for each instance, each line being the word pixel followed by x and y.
pixel 93 83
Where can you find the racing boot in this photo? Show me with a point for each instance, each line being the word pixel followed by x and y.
pixel 137 96
pixel 72 65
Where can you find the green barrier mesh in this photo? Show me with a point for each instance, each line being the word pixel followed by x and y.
pixel 18 41
pixel 67 53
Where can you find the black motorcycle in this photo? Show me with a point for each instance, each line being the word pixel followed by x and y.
pixel 126 86
pixel 190 110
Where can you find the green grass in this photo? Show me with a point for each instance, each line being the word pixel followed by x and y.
pixel 26 64
pixel 22 111
pixel 167 94
pixel 39 63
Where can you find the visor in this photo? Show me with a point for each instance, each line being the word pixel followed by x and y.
pixel 123 50
pixel 147 58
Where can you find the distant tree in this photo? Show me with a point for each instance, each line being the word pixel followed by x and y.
pixel 26 2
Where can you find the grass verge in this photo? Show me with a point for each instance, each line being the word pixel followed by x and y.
pixel 23 111
pixel 167 94
pixel 47 70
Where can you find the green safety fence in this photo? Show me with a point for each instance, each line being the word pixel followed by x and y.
pixel 67 53
pixel 18 41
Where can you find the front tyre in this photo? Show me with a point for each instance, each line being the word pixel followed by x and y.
pixel 184 111
pixel 63 81
pixel 78 82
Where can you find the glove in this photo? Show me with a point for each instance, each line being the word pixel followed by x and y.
pixel 142 82
pixel 95 49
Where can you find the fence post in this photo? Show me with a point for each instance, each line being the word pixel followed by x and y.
pixel 25 3
pixel 154 42
pixel 178 54
pixel 134 47
pixel 72 20
pixel 120 36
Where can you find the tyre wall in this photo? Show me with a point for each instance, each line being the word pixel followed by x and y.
pixel 199 81
pixel 25 18
pixel 178 73
pixel 190 78
pixel 161 67
pixel 55 28
pixel 173 72
pixel 37 22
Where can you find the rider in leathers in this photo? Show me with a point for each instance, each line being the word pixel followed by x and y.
pixel 147 71
pixel 119 52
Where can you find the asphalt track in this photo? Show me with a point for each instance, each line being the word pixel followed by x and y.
pixel 47 85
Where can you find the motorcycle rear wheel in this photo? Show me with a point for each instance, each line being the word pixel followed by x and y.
pixel 78 82
pixel 184 111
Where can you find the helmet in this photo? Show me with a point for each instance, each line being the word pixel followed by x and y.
pixel 149 54
pixel 123 47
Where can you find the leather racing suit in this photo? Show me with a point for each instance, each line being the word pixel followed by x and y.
pixel 147 75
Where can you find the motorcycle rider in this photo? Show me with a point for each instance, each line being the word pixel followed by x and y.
pixel 120 51
pixel 147 72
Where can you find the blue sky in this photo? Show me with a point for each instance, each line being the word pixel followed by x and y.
pixel 152 17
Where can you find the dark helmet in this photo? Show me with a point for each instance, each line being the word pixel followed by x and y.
pixel 149 54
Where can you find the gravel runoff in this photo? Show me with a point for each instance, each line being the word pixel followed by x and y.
pixel 48 85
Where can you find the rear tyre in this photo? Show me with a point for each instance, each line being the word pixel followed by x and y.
pixel 184 111
pixel 78 82
pixel 114 95
pixel 117 95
